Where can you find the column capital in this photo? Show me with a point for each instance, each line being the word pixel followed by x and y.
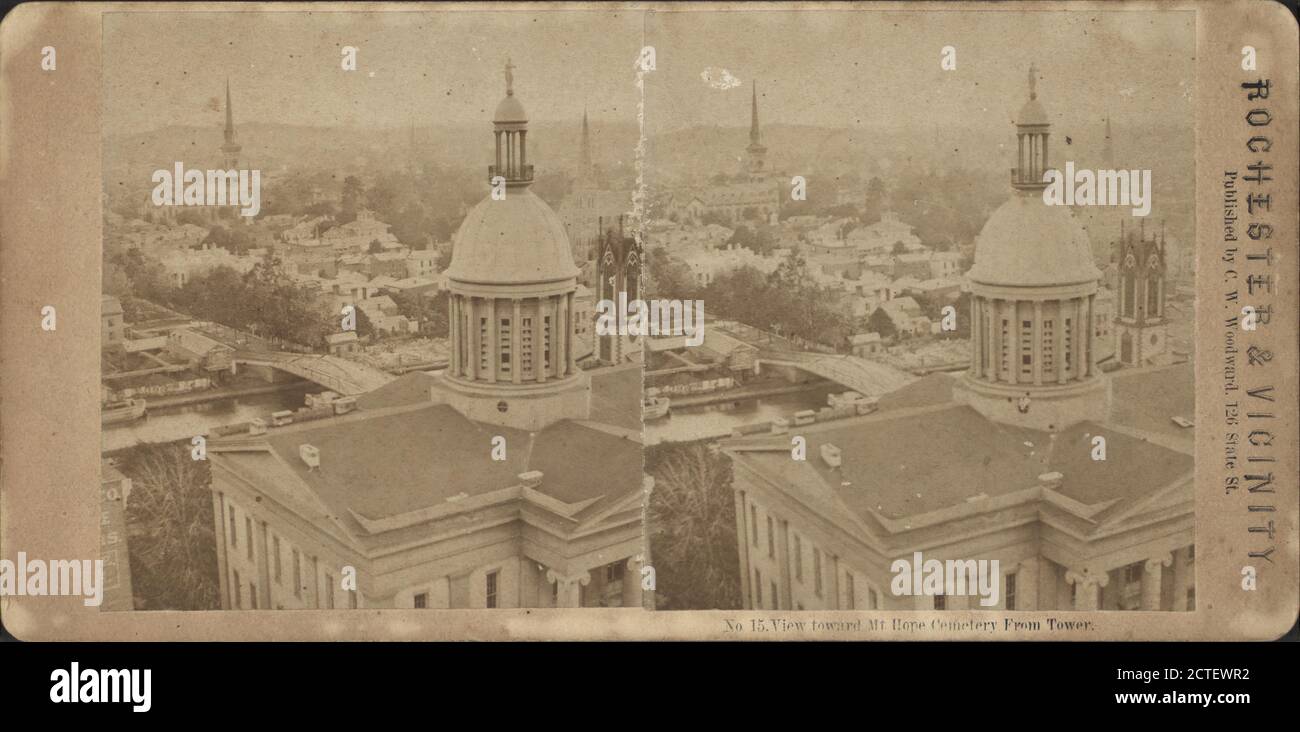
pixel 1164 560
pixel 582 578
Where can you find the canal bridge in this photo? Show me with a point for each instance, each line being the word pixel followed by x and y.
pixel 348 378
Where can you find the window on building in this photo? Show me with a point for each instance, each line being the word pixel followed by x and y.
pixel 252 595
pixel 329 592
pixel 758 589
pixel 1191 598
pixel 753 524
pixel 1010 592
pixel 817 571
pixel 248 534
pixel 776 597
pixel 275 547
pixel 798 558
pixel 1026 348
pixel 1048 346
pixel 940 602
pixel 614 572
pixel 873 600
pixel 1133 573
pixel 490 595
pixel 352 599
pixel 1067 344
pixel 546 342
pixel 849 591
pixel 421 600
pixel 297 574
pixel 484 346
pixel 771 539
pixel 1003 348
pixel 234 535
pixel 239 591
pixel 504 344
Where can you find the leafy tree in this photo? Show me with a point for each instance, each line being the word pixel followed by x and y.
pixel 171 539
pixel 692 528
pixel 879 322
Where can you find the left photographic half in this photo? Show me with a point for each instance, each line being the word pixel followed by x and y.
pixel 352 265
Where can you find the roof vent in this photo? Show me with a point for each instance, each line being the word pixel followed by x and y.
pixel 831 454
pixel 531 479
pixel 310 454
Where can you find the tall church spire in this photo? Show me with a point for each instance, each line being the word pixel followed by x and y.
pixel 756 151
pixel 586 171
pixel 230 117
pixel 230 148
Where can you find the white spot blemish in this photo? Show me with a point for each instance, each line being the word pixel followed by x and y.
pixel 719 78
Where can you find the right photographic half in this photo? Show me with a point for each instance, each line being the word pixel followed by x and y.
pixel 921 321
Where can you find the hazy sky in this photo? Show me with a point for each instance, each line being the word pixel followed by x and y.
pixel 841 68
pixel 833 68
pixel 421 67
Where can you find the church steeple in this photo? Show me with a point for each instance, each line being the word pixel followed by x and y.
pixel 230 148
pixel 586 172
pixel 756 151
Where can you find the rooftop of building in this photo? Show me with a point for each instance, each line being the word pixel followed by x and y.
pixel 923 452
pixel 402 455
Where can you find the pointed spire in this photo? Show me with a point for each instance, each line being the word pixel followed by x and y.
pixel 586 145
pixel 230 117
pixel 753 115
pixel 510 78
pixel 1033 81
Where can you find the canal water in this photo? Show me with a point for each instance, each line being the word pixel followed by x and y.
pixel 183 422
pixel 717 420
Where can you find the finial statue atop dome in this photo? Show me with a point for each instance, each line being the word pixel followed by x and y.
pixel 1033 80
pixel 510 78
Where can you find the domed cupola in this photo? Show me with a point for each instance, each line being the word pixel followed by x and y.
pixel 512 283
pixel 1033 288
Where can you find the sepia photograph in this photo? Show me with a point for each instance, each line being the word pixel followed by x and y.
pixel 929 378
pixel 617 346
pixel 364 371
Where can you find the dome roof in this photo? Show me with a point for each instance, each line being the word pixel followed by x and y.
pixel 1029 243
pixel 513 241
pixel 510 110
pixel 1032 113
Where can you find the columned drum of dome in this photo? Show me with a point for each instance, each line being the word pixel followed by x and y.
pixel 512 282
pixel 1033 287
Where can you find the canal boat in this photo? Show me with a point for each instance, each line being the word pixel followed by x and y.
pixel 126 410
pixel 654 407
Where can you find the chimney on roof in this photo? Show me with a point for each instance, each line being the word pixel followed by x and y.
pixel 531 479
pixel 831 455
pixel 310 454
